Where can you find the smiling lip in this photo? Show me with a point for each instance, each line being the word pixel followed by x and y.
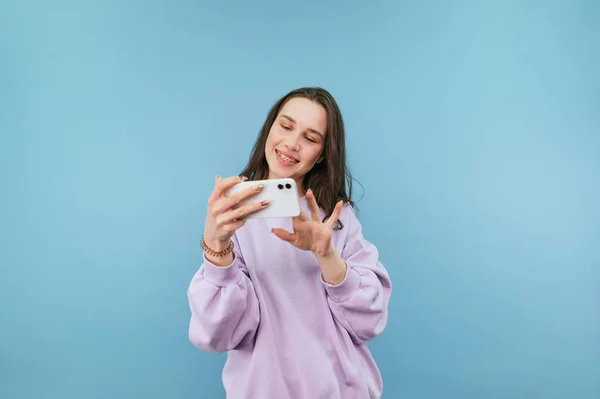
pixel 287 156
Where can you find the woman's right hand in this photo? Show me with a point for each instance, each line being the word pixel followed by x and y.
pixel 224 214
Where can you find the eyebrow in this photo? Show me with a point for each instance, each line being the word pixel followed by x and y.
pixel 293 121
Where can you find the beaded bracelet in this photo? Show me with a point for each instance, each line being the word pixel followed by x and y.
pixel 214 253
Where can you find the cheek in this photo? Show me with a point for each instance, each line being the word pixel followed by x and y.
pixel 270 140
pixel 314 154
pixel 273 138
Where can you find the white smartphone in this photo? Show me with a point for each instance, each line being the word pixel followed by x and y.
pixel 281 193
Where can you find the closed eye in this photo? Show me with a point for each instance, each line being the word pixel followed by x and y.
pixel 286 127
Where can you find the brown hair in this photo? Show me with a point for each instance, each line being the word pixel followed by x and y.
pixel 328 179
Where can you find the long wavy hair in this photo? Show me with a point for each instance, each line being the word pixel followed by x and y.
pixel 330 180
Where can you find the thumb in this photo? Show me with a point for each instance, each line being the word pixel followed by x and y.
pixel 283 235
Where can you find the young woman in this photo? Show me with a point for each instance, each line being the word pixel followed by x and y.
pixel 293 301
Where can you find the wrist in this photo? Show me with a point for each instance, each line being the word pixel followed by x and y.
pixel 333 268
pixel 217 245
pixel 330 254
pixel 219 254
pixel 222 261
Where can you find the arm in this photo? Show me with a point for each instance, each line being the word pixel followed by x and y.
pixel 358 286
pixel 224 306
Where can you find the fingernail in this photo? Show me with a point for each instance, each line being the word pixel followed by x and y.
pixel 243 178
pixel 259 187
pixel 264 203
pixel 217 177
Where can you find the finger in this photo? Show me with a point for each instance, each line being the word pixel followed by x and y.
pixel 228 203
pixel 222 185
pixel 283 235
pixel 300 222
pixel 230 228
pixel 302 217
pixel 312 204
pixel 241 212
pixel 213 194
pixel 335 214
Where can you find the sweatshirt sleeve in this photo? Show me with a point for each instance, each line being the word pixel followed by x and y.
pixel 224 306
pixel 360 301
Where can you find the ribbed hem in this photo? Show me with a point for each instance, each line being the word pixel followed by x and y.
pixel 221 276
pixel 344 290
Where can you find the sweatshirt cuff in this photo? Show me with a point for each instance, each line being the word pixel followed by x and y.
pixel 344 290
pixel 221 276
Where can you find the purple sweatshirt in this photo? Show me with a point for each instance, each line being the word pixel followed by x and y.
pixel 288 334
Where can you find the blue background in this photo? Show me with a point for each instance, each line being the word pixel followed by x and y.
pixel 473 127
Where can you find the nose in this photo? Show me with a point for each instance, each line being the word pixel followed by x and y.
pixel 292 142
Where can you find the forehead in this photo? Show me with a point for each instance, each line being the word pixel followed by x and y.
pixel 306 113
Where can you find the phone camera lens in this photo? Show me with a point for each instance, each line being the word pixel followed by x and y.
pixel 288 186
pixel 280 186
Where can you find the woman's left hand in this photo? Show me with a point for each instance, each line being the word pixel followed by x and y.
pixel 311 234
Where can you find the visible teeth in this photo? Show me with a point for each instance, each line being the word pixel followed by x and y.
pixel 286 158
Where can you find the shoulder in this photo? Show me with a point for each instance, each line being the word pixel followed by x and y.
pixel 347 212
pixel 350 237
pixel 349 219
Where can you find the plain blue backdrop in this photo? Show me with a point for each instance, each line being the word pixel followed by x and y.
pixel 473 127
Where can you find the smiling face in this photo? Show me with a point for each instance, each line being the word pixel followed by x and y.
pixel 296 139
pixel 303 138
